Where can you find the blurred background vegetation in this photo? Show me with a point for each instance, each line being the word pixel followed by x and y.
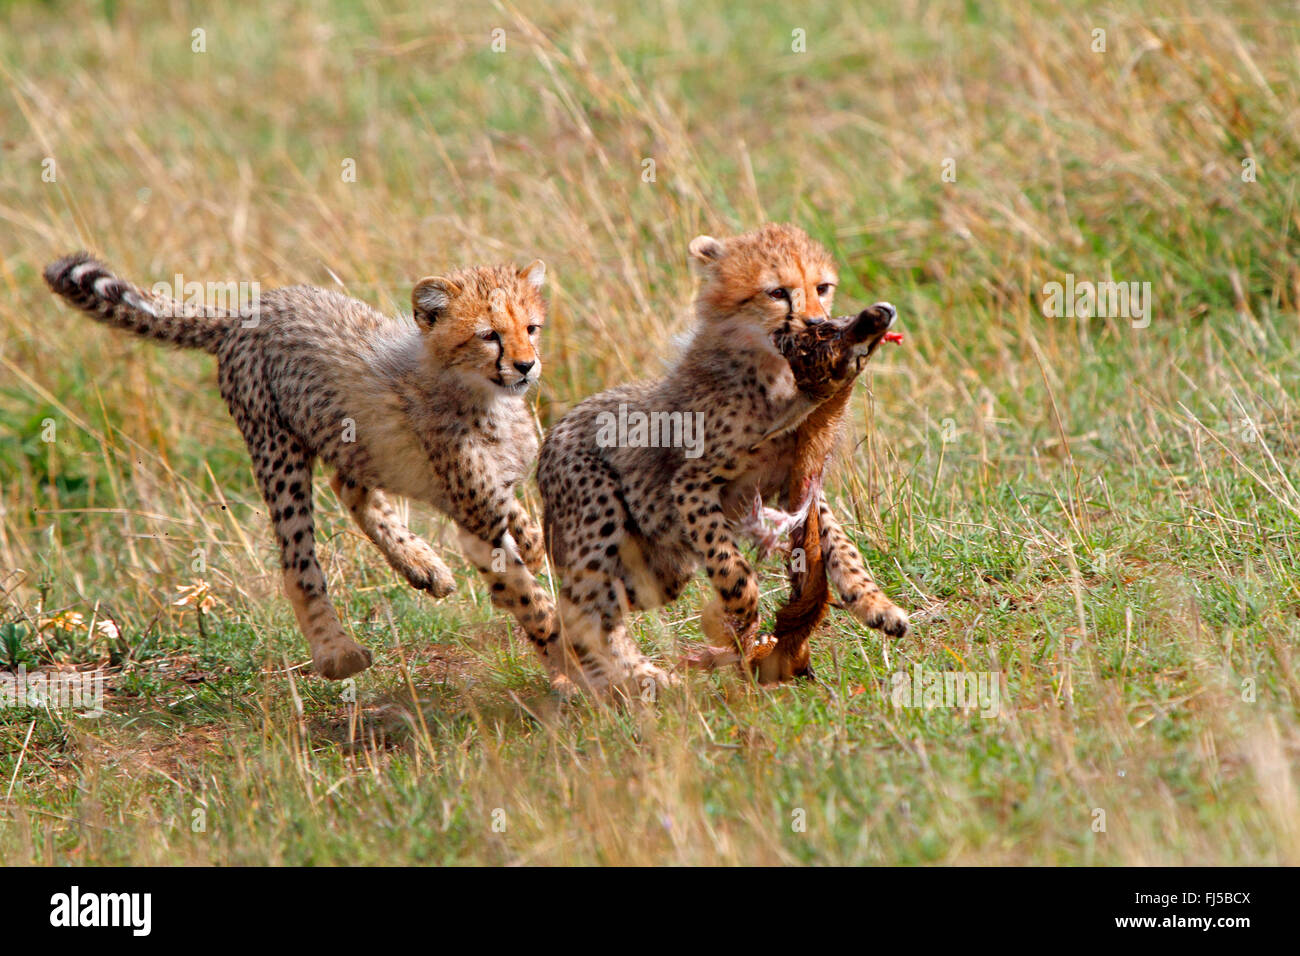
pixel 1104 513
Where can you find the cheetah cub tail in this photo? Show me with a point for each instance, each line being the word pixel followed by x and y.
pixel 87 284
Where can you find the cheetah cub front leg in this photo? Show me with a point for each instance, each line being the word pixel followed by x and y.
pixel 860 595
pixel 528 537
pixel 505 544
pixel 407 553
pixel 733 616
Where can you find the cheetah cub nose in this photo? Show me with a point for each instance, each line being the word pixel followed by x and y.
pixel 524 367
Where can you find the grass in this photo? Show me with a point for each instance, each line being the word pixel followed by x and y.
pixel 1104 514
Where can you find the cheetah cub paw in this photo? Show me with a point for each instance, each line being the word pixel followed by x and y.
pixel 339 657
pixel 878 612
pixel 428 572
pixel 563 687
pixel 647 680
pixel 532 548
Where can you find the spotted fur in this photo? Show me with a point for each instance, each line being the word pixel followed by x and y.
pixel 627 527
pixel 429 406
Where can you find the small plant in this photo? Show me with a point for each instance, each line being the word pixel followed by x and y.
pixel 14 652
pixel 119 651
pixel 59 634
pixel 198 596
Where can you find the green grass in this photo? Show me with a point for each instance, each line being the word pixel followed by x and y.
pixel 1104 514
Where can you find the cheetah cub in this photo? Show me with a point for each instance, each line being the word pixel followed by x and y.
pixel 430 407
pixel 629 514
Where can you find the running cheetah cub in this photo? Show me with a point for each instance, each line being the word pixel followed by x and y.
pixel 430 407
pixel 629 513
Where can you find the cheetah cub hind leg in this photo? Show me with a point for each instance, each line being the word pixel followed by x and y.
pixel 286 486
pixel 602 658
pixel 334 655
pixel 407 553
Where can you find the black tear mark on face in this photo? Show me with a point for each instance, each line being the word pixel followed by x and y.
pixel 501 355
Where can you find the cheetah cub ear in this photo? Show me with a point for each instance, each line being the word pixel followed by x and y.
pixel 430 298
pixel 706 252
pixel 534 272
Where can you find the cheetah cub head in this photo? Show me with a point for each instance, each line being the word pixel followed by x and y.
pixel 484 323
pixel 775 277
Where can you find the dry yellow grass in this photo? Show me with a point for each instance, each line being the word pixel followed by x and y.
pixel 1103 513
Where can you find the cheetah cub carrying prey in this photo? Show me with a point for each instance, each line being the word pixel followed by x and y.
pixel 628 521
pixel 430 407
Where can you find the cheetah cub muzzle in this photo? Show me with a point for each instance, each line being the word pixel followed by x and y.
pixel 429 406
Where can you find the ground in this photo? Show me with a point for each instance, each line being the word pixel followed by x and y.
pixel 1101 509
